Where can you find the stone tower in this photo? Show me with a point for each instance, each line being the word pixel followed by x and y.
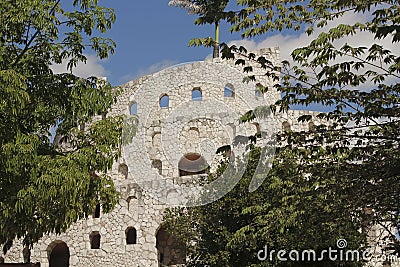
pixel 181 116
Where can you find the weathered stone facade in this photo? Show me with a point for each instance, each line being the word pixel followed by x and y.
pixel 165 134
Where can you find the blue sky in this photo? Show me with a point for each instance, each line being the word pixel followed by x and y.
pixel 151 35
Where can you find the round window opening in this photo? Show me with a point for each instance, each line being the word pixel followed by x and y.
pixel 192 164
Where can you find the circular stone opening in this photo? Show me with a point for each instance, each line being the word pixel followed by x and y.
pixel 191 164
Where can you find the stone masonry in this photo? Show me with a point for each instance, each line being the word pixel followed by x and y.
pixel 170 125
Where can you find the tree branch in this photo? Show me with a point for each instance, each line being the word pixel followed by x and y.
pixel 371 64
pixel 26 48
pixel 301 81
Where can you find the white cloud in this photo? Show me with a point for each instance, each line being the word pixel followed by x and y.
pixel 92 67
pixel 289 42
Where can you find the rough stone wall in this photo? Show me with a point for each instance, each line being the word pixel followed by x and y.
pixel 164 135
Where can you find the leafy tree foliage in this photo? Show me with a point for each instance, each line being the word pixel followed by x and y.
pixel 352 158
pixel 210 12
pixel 287 212
pixel 46 186
pixel 357 85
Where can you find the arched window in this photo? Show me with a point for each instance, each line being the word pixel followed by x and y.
pixel 58 254
pixel 256 125
pixel 257 91
pixel 133 108
pixel 95 240
pixel 26 253
pixel 96 212
pixel 171 251
pixel 157 164
pixel 172 194
pixel 252 128
pixel 156 139
pixel 164 101
pixel 123 169
pixel 193 134
pixel 197 94
pixel 231 128
pixel 132 204
pixel 229 91
pixel 192 164
pixel 311 126
pixel 286 126
pixel 130 233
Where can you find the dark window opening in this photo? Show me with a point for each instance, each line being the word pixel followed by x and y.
pixel 286 126
pixel 157 164
pixel 131 236
pixel 96 213
pixel 59 255
pixel 311 126
pixel 171 251
pixel 123 169
pixel 95 240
